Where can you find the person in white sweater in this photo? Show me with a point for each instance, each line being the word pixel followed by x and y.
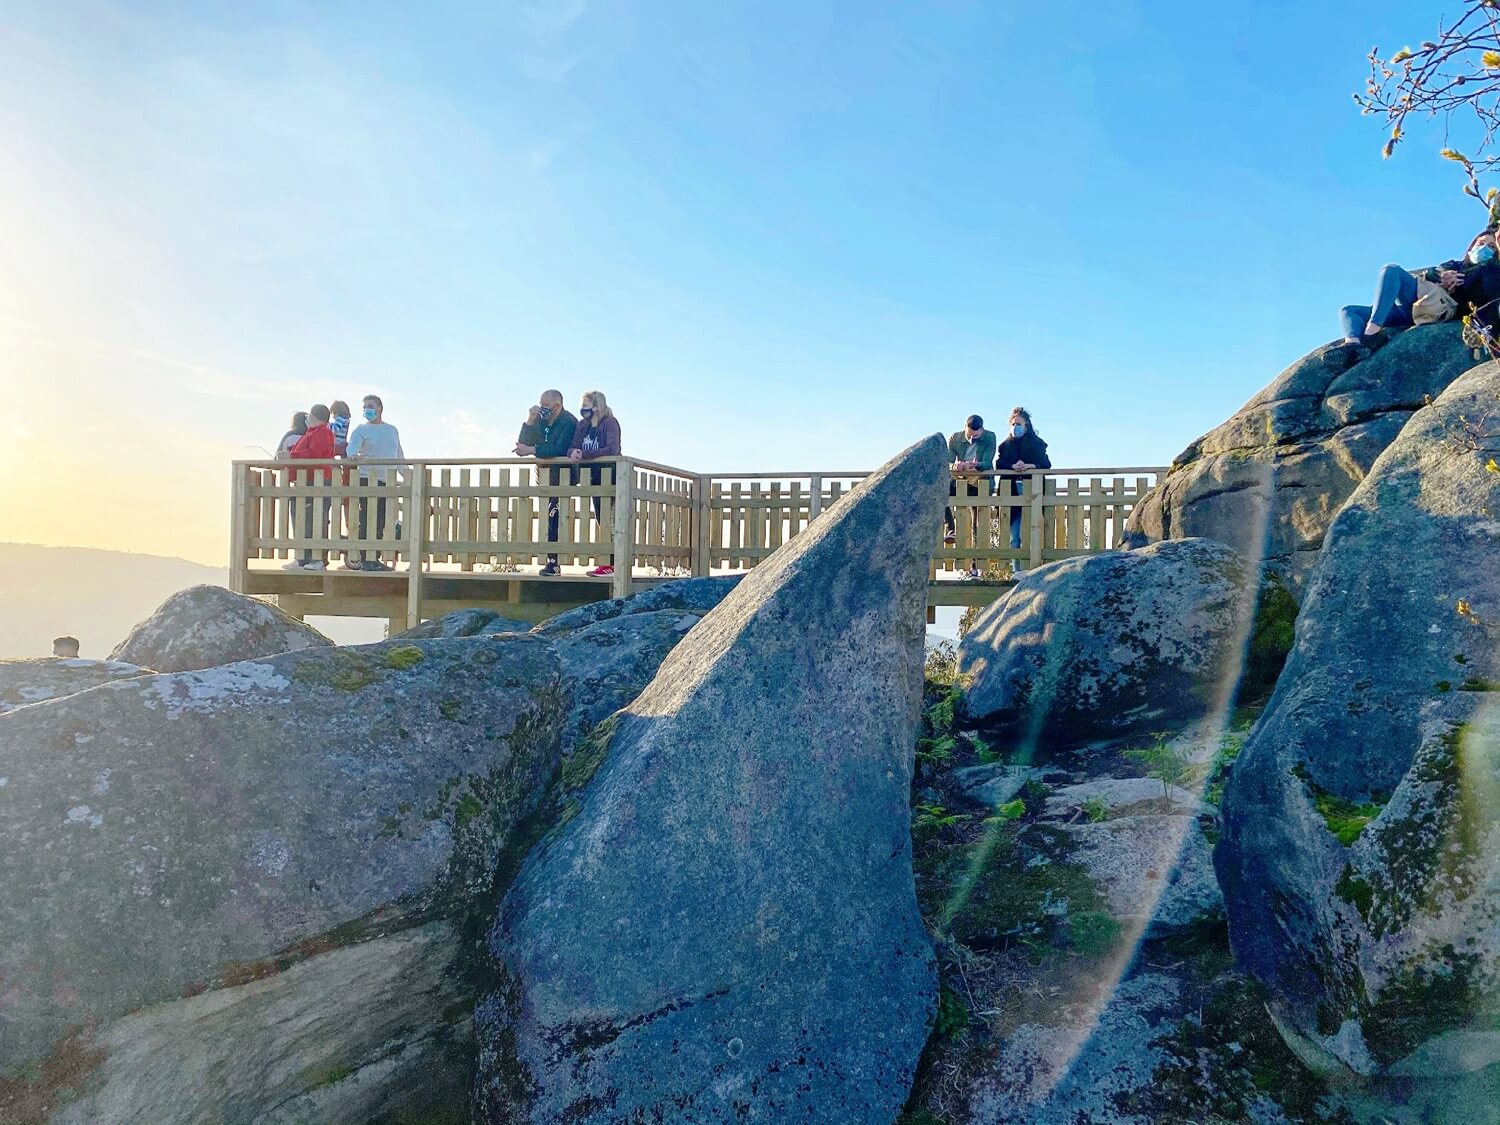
pixel 373 439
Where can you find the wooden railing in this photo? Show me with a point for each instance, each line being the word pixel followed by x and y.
pixel 472 516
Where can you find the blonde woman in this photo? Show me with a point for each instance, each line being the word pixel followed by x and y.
pixel 597 435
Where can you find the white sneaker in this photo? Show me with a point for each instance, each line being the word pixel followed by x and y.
pixel 295 564
pixel 316 564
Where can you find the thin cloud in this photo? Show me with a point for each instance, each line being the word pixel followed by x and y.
pixel 546 24
pixel 547 21
pixel 540 158
pixel 473 438
pixel 194 378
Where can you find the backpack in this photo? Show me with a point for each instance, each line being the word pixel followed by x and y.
pixel 1434 304
pixel 1482 329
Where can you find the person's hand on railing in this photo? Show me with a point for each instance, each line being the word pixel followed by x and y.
pixel 1022 467
pixel 575 455
pixel 525 450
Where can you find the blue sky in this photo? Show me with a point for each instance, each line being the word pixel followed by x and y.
pixel 778 236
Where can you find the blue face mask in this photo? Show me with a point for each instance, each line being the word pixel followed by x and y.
pixel 1481 254
pixel 370 413
pixel 1018 429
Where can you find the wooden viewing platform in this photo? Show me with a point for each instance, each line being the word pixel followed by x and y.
pixel 471 533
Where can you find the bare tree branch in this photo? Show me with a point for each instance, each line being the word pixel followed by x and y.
pixel 1455 74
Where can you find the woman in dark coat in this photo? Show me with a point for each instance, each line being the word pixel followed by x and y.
pixel 1022 451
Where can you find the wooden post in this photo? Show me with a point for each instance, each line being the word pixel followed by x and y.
pixel 1036 488
pixel 239 547
pixel 624 524
pixel 702 517
pixel 815 498
pixel 416 520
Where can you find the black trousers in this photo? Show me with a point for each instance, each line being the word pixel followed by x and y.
pixel 310 506
pixel 596 477
pixel 364 512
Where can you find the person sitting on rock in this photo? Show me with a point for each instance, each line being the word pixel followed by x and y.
pixel 597 435
pixel 65 647
pixel 1467 278
pixel 1021 452
pixel 971 448
pixel 548 432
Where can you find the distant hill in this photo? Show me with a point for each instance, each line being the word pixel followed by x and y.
pixel 98 596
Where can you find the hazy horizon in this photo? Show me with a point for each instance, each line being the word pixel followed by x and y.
pixel 98 595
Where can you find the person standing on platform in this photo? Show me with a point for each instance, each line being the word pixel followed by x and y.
pixel 972 447
pixel 338 422
pixel 548 433
pixel 315 445
pixel 597 435
pixel 1021 452
pixel 374 439
pixel 289 439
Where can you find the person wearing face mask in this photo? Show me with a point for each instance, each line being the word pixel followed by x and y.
pixel 1021 452
pixel 597 435
pixel 548 432
pixel 1466 278
pixel 1481 274
pixel 375 439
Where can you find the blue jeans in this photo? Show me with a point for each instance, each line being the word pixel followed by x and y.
pixel 1015 517
pixel 1395 293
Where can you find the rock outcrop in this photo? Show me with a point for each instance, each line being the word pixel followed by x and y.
pixel 1270 479
pixel 1114 645
pixel 726 930
pixel 1079 928
pixel 464 623
pixel 254 888
pixel 206 626
pixel 1361 853
pixel 33 681
pixel 686 595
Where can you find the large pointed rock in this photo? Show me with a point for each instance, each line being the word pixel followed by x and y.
pixel 727 929
pixel 1360 859
pixel 206 626
pixel 232 890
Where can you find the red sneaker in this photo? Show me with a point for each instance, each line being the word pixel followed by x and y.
pixel 602 572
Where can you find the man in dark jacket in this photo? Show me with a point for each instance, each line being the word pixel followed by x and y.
pixel 1022 451
pixel 547 433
